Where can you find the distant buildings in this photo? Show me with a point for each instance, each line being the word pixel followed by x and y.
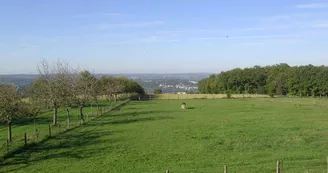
pixel 179 86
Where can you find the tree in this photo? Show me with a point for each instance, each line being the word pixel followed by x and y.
pixel 279 79
pixel 34 110
pixel 158 91
pixel 11 106
pixel 55 86
pixel 86 84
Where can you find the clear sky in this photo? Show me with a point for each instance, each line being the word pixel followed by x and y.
pixel 171 36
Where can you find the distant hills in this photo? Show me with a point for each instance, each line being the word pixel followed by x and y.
pixel 169 83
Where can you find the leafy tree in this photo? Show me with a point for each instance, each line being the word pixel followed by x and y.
pixel 11 106
pixel 158 91
pixel 279 79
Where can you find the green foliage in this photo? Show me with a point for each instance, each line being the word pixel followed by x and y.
pixel 278 80
pixel 249 135
pixel 229 94
pixel 11 105
pixel 158 91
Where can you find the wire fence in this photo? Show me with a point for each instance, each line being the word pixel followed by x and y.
pixel 45 131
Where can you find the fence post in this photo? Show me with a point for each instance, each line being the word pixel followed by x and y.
pixel 167 171
pixel 25 140
pixel 58 128
pixel 279 166
pixel 49 130
pixel 7 145
pixel 225 169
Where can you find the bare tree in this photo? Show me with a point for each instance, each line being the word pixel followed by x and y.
pixel 11 106
pixel 55 87
pixel 86 90
pixel 34 109
pixel 106 87
pixel 118 85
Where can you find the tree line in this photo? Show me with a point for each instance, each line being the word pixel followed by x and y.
pixel 280 79
pixel 60 86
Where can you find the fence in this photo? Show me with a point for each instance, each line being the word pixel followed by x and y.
pixel 278 169
pixel 26 139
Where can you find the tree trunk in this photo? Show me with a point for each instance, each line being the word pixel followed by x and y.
pixel 55 116
pixel 9 132
pixel 68 119
pixel 81 113
pixel 97 106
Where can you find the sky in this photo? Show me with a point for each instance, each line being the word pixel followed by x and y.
pixel 171 36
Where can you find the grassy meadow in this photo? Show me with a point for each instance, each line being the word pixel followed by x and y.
pixel 26 125
pixel 248 135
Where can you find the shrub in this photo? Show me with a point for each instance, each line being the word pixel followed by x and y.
pixel 229 94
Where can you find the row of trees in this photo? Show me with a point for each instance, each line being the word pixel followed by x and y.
pixel 61 86
pixel 280 79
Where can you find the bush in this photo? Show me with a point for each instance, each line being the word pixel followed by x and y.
pixel 158 91
pixel 229 94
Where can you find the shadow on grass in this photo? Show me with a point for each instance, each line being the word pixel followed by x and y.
pixel 191 107
pixel 70 144
pixel 66 145
pixel 128 121
pixel 137 113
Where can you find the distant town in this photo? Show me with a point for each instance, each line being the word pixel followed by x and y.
pixel 168 83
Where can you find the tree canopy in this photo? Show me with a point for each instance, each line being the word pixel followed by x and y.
pixel 158 91
pixel 280 79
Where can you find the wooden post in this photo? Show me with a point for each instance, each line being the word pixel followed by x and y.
pixel 58 128
pixel 279 166
pixel 7 145
pixel 49 130
pixel 25 140
pixel 327 164
pixel 225 169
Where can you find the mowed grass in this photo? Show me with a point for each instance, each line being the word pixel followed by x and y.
pixel 26 125
pixel 248 135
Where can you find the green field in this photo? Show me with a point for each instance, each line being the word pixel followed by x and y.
pixel 26 125
pixel 248 135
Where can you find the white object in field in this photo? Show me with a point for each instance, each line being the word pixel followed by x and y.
pixel 183 106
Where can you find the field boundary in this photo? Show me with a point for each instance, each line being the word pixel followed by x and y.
pixel 199 96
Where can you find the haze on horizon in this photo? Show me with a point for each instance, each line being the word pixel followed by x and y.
pixel 162 37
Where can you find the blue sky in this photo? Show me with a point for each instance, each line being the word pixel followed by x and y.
pixel 172 36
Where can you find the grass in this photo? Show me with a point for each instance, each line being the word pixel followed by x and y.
pixel 248 135
pixel 26 125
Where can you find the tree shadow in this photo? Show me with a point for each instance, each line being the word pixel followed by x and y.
pixel 127 121
pixel 65 145
pixel 137 113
